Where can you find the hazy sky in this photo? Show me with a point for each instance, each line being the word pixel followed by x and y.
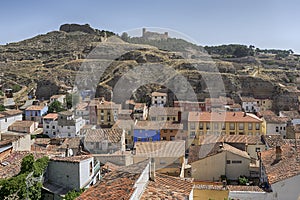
pixel 264 24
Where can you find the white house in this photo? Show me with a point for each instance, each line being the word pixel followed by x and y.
pixel 67 173
pixel 274 124
pixel 8 117
pixel 69 125
pixel 249 104
pixel 50 125
pixel 59 97
pixel 158 99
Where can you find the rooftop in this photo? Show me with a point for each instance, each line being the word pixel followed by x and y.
pixel 244 139
pixel 222 117
pixel 10 113
pixel 35 107
pixel 158 94
pixel 98 135
pixel 160 149
pixel 163 111
pixel 72 159
pixel 119 184
pixel 199 152
pixel 167 187
pixel 285 168
pixel 25 124
pixel 291 114
pixel 51 116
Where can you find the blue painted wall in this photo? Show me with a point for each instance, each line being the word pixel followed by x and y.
pixel 145 135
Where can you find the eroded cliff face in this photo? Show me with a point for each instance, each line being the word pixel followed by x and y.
pixel 59 60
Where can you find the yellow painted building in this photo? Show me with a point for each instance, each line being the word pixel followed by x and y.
pixel 103 113
pixel 225 123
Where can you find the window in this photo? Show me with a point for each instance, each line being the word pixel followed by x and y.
pixel 231 133
pixel 91 168
pixel 174 118
pixel 201 126
pixel 53 127
pixel 236 162
pixel 172 138
pixel 227 161
pixel 68 127
pixel 54 133
pixel 164 138
pixel 257 126
pixel 102 111
pixel 150 139
pixel 47 126
pixel 69 134
pixel 102 118
pixel 207 126
pixel 249 126
pixel 165 131
pixel 153 118
pixel 155 102
pixel 216 126
pixel 97 145
pixel 192 126
pixel 277 129
pixel 139 139
pixel 257 149
pixel 241 126
pixel 232 126
pixel 162 102
pixel 192 134
pixel 223 126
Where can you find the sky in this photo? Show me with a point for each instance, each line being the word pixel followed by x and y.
pixel 262 23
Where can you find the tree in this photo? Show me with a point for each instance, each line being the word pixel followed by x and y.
pixel 17 187
pixel 243 180
pixel 73 194
pixel 27 164
pixel 125 36
pixel 55 106
pixel 2 108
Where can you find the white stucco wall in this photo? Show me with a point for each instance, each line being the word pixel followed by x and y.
pixel 286 189
pixel 234 170
pixel 5 122
pixel 52 127
pixel 85 175
pixel 247 195
pixel 23 143
pixel 271 128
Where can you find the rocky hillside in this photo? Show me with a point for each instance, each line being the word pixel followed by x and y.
pixel 78 55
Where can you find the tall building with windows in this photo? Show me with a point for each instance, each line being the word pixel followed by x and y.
pixel 225 123
pixel 103 113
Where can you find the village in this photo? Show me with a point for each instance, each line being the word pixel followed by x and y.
pixel 214 149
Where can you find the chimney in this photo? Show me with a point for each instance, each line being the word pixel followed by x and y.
pixel 152 170
pixel 278 153
pixel 67 151
pixel 244 114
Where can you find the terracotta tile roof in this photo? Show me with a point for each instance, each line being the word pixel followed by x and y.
pixel 160 149
pixel 10 113
pixel 42 141
pixel 110 166
pixel 98 135
pixel 199 152
pixel 160 94
pixel 243 139
pixel 271 117
pixel 72 142
pixel 13 162
pixel 273 140
pixel 148 125
pixel 209 187
pixel 82 106
pixel 104 104
pixel 244 188
pixel 66 113
pixel 163 111
pixel 219 101
pixel 222 117
pixel 167 187
pixel 203 151
pixel 291 114
pixel 72 159
pixel 35 108
pixel 172 126
pixel 283 169
pixel 123 124
pixel 125 112
pixel 248 99
pixel 119 184
pixel 51 116
pixel 19 123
